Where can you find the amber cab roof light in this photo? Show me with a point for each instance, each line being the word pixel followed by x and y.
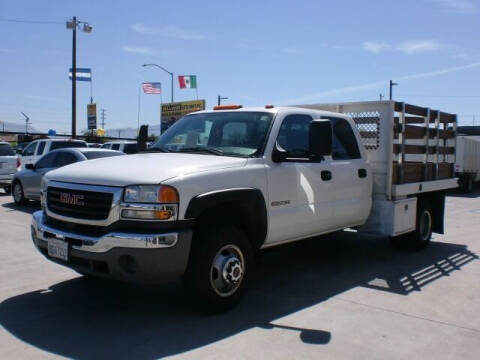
pixel 269 106
pixel 227 107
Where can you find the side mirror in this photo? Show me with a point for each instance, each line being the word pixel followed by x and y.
pixel 30 167
pixel 279 154
pixel 19 151
pixel 320 141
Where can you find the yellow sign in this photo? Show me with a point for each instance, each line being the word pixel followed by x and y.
pixel 92 116
pixel 171 112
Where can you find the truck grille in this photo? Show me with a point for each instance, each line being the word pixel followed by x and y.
pixel 79 204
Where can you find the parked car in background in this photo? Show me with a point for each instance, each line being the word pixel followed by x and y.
pixel 94 145
pixel 9 162
pixel 20 146
pixel 26 183
pixel 37 148
pixel 467 161
pixel 126 146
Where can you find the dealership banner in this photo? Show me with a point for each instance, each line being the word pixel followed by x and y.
pixel 92 116
pixel 171 112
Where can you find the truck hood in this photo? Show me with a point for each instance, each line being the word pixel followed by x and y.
pixel 140 168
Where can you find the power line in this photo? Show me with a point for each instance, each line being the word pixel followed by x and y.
pixel 31 21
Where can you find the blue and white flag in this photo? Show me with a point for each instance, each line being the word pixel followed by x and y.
pixel 83 74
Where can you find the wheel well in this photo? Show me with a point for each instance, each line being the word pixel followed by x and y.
pixel 245 210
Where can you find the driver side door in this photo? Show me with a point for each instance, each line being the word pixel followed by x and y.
pixel 32 179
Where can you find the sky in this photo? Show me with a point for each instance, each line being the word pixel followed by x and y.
pixel 253 52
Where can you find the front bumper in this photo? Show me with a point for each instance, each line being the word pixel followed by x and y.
pixel 6 179
pixel 127 256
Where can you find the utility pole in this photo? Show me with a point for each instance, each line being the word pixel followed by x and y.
pixel 103 117
pixel 220 98
pixel 119 133
pixel 392 84
pixel 72 24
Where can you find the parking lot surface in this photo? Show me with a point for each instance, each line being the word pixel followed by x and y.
pixel 335 297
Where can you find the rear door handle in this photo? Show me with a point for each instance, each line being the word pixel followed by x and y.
pixel 362 173
pixel 326 175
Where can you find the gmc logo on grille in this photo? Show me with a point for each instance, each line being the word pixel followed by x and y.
pixel 72 199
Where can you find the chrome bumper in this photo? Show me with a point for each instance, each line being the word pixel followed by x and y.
pixel 6 179
pixel 42 232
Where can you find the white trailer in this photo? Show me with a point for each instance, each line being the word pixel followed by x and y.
pixel 467 162
pixel 411 150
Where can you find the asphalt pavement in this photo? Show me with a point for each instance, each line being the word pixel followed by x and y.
pixel 337 297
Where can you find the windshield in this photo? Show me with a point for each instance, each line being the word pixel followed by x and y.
pixel 100 154
pixel 67 144
pixel 221 133
pixel 6 150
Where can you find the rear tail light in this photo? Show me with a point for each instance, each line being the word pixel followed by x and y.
pixel 19 162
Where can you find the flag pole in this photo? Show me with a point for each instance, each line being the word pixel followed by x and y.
pixel 138 113
pixel 91 87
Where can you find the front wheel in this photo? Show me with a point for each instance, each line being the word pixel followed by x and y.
pixel 219 267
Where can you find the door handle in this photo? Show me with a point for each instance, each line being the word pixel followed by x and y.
pixel 326 175
pixel 362 173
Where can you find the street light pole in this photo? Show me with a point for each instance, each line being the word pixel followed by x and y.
pixel 392 84
pixel 220 98
pixel 162 68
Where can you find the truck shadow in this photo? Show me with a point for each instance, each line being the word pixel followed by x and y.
pixel 85 319
pixel 29 208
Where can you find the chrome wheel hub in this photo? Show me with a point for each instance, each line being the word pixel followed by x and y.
pixel 227 270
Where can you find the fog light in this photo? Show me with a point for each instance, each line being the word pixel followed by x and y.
pixel 147 214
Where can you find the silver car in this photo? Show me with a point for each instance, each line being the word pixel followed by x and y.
pixel 9 163
pixel 26 183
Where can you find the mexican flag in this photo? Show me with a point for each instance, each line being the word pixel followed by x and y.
pixel 187 81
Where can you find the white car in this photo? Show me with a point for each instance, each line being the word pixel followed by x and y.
pixel 126 146
pixel 37 148
pixel 9 162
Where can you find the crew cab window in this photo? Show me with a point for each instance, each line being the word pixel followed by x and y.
pixel 293 136
pixel 30 149
pixel 48 161
pixel 115 147
pixel 344 143
pixel 41 146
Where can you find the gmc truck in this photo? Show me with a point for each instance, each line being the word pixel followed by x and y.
pixel 221 185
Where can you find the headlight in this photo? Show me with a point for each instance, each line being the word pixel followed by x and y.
pixel 151 194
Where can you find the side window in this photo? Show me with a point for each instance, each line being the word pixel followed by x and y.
pixel 344 142
pixel 30 149
pixel 41 146
pixel 130 149
pixel 48 161
pixel 115 147
pixel 294 135
pixel 64 159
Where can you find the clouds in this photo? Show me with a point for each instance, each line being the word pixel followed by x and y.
pixel 458 6
pixel 137 49
pixel 173 32
pixel 407 47
pixel 379 84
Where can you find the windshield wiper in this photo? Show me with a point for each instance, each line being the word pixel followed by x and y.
pixel 201 149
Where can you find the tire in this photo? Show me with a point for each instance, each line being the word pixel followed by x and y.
pixel 219 268
pixel 420 238
pixel 8 189
pixel 17 193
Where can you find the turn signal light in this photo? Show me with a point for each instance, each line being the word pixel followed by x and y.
pixel 227 107
pixel 168 194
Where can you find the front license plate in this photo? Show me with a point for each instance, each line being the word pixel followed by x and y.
pixel 58 249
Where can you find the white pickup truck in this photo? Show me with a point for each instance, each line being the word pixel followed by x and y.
pixel 220 185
